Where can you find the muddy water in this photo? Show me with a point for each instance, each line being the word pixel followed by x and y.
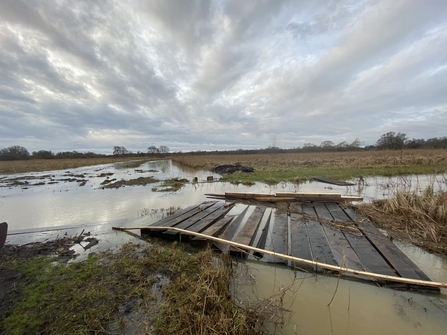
pixel 357 307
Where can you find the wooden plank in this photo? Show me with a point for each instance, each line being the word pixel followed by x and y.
pixel 230 231
pixel 308 209
pixel 337 212
pixel 210 219
pixel 279 237
pixel 325 196
pixel 341 249
pixel 372 261
pixel 248 231
pixel 273 199
pixel 263 237
pixel 3 233
pixel 321 251
pixel 246 195
pixel 403 265
pixel 215 229
pixel 195 218
pixel 323 212
pixel 332 181
pixel 180 216
pixel 299 240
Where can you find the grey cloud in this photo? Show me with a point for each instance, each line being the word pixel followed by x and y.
pixel 219 74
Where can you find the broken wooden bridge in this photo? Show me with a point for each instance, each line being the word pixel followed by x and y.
pixel 326 234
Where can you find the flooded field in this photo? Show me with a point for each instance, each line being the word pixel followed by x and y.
pixel 59 202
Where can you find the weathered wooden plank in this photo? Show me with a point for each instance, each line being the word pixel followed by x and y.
pixel 341 249
pixel 337 212
pixel 299 240
pixel 246 195
pixel 279 237
pixel 332 181
pixel 210 219
pixel 274 199
pixel 263 238
pixel 195 218
pixel 308 209
pixel 323 212
pixel 401 263
pixel 3 233
pixel 182 215
pixel 321 251
pixel 230 231
pixel 372 261
pixel 248 231
pixel 323 196
pixel 215 229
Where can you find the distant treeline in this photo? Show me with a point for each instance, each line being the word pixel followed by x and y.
pixel 388 141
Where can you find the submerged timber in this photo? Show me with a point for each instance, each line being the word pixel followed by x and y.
pixel 318 233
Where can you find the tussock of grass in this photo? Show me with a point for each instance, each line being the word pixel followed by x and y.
pixel 88 297
pixel 421 218
pixel 141 181
pixel 206 305
pixel 171 185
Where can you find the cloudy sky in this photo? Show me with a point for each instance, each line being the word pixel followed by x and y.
pixel 219 74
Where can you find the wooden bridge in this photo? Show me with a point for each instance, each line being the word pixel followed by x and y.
pixel 325 232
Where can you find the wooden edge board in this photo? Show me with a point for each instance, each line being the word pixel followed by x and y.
pixel 301 260
pixel 334 196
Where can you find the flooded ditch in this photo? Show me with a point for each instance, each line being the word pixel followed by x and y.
pixel 43 206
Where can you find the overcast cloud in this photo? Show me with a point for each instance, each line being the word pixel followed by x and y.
pixel 213 75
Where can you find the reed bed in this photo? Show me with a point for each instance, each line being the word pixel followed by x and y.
pixel 420 218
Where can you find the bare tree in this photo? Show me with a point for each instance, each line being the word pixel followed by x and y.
pixel 153 150
pixel 163 149
pixel 120 150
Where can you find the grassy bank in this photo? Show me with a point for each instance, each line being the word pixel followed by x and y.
pixel 39 165
pixel 298 167
pixel 420 218
pixel 158 289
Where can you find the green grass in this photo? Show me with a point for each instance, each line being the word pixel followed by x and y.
pixel 85 297
pixel 129 164
pixel 273 175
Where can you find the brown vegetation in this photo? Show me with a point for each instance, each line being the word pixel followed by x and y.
pixel 38 165
pixel 419 218
pixel 385 158
pixel 297 167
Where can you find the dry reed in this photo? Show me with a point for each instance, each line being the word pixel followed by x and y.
pixel 384 158
pixel 420 218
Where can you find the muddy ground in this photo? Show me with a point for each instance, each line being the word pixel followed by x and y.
pixel 12 283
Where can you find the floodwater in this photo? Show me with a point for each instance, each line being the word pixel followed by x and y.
pixel 53 203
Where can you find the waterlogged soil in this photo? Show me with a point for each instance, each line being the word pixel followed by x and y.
pixel 130 317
